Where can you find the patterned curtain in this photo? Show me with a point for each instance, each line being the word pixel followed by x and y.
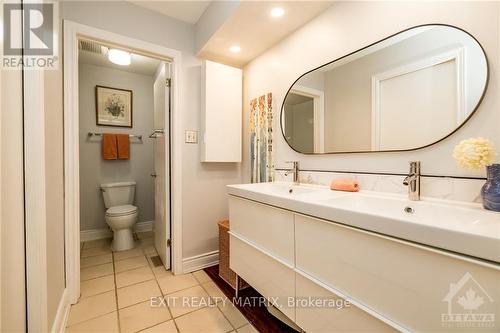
pixel 261 139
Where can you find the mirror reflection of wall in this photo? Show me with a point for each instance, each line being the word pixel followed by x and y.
pixel 405 92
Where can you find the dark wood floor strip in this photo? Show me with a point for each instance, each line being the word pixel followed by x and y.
pixel 258 316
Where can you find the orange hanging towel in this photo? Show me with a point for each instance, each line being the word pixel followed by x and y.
pixel 109 148
pixel 123 143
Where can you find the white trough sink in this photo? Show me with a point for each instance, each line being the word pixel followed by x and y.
pixel 455 226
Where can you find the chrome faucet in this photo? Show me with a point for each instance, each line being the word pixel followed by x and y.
pixel 413 181
pixel 295 171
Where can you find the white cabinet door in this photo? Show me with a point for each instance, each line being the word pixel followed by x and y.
pixel 320 311
pixel 414 286
pixel 221 112
pixel 162 165
pixel 269 228
pixel 272 279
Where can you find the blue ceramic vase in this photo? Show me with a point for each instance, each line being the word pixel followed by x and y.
pixel 491 189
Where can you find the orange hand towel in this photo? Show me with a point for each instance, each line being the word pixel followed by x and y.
pixel 109 149
pixel 123 143
pixel 344 185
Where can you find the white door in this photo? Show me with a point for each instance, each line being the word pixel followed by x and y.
pixel 162 163
pixel 416 107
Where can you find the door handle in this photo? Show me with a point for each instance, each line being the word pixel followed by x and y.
pixel 153 175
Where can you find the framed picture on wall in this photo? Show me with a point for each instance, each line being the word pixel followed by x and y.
pixel 113 106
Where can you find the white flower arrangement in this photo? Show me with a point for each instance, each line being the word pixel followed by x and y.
pixel 474 153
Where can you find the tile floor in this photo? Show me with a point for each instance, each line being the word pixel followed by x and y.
pixel 124 292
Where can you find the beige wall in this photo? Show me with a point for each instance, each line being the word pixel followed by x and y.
pixel 348 26
pixel 93 169
pixel 203 184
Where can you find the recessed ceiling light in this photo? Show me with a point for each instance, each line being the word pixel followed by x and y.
pixel 235 49
pixel 119 57
pixel 277 12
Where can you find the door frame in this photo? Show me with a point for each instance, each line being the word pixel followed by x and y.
pixel 318 97
pixel 72 32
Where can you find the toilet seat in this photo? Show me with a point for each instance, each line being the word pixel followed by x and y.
pixel 122 210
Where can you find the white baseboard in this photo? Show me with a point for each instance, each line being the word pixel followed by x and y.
pixel 92 234
pixel 201 261
pixel 88 235
pixel 144 226
pixel 62 314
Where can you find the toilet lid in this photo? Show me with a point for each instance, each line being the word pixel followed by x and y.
pixel 121 210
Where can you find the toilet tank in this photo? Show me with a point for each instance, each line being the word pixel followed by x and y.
pixel 117 194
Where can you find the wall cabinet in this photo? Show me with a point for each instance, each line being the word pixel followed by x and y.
pixel 221 112
pixel 392 284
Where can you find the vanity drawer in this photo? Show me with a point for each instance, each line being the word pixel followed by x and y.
pixel 404 282
pixel 268 276
pixel 320 317
pixel 267 227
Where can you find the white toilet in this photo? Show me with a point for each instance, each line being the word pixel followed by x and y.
pixel 121 215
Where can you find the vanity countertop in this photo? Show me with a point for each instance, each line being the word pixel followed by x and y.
pixel 461 227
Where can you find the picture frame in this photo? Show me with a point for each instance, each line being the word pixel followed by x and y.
pixel 113 106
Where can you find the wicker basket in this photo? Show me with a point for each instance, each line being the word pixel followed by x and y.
pixel 224 271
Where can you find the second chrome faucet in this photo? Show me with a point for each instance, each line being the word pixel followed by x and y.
pixel 413 181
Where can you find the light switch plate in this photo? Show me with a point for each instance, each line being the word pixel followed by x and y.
pixel 191 136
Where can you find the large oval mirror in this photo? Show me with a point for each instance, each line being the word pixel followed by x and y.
pixel 405 92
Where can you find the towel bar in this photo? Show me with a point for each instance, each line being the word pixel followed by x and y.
pixel 130 135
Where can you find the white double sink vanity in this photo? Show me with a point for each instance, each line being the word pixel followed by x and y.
pixel 393 259
pixel 406 265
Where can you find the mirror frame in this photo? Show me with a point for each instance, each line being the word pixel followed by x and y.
pixel 365 47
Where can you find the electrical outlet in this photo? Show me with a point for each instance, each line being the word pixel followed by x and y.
pixel 191 136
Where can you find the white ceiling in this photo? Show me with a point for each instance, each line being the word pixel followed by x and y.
pixel 139 64
pixel 254 30
pixel 187 11
pixel 250 25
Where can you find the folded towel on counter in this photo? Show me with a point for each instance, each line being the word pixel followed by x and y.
pixel 123 144
pixel 109 147
pixel 344 185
